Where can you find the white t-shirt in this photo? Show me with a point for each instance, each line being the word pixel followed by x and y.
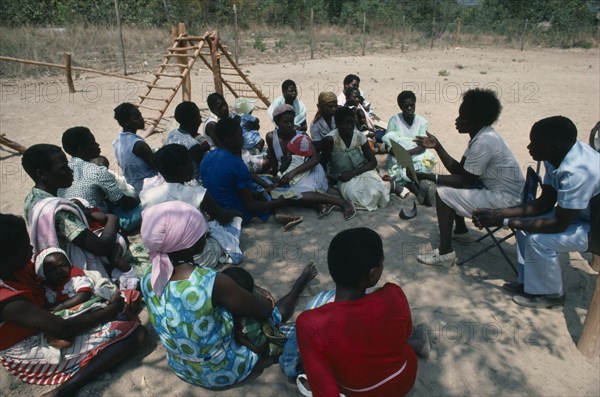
pixel 172 192
pixel 576 180
pixel 489 157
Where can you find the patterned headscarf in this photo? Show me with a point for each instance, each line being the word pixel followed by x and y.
pixel 324 98
pixel 169 227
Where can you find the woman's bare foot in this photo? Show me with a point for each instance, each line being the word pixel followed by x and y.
pixel 288 302
pixel 349 211
pixel 288 221
pixel 309 272
pixel 324 210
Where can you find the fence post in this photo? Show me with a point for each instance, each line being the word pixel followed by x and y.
pixel 167 13
pixel 523 35
pixel 118 12
pixel 432 25
pixel 457 44
pixel 68 72
pixel 216 62
pixel 186 86
pixel 589 340
pixel 236 32
pixel 364 43
pixel 312 33
pixel 403 28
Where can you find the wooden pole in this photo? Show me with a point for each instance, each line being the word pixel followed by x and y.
pixel 523 35
pixel 216 63
pixel 432 25
pixel 68 72
pixel 118 12
pixel 364 43
pixel 12 144
pixel 312 33
pixel 457 43
pixel 243 76
pixel 186 86
pixel 58 65
pixel 167 13
pixel 403 27
pixel 589 340
pixel 236 33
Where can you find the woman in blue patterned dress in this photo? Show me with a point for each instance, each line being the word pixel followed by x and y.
pixel 192 308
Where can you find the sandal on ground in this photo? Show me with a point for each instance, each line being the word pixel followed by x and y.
pixel 325 210
pixel 409 214
pixel 295 221
pixel 351 214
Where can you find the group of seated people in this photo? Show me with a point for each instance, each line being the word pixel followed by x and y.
pixel 69 277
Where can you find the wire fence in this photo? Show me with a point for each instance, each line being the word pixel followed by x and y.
pixel 276 30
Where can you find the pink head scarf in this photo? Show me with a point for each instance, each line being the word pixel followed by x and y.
pixel 166 228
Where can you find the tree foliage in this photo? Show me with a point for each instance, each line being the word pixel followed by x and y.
pixel 558 17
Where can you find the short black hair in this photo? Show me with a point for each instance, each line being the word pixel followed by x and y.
pixel 241 277
pixel 169 159
pixel 482 106
pixel 286 84
pixel 12 228
pixel 124 112
pixel 404 95
pixel 101 161
pixel 350 78
pixel 342 113
pixel 226 127
pixel 186 111
pixel 38 157
pixel 213 98
pixel 352 254
pixel 74 138
pixel 556 129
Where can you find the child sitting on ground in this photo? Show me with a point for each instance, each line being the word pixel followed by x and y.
pixel 250 125
pixel 125 187
pixel 364 123
pixel 121 268
pixel 252 149
pixel 261 336
pixel 300 150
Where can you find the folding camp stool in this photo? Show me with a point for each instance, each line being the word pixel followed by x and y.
pixel 532 181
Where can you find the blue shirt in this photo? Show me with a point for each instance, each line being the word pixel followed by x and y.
pixel 224 174
pixel 576 180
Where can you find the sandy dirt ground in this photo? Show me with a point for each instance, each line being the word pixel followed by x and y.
pixel 483 344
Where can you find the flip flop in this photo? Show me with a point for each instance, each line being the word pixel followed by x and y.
pixel 325 211
pixel 351 215
pixel 410 213
pixel 293 223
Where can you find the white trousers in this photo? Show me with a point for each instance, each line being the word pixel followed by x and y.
pixel 537 256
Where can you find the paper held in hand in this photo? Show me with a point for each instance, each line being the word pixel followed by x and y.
pixel 404 159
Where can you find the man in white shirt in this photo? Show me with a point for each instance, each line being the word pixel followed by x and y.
pixel 559 220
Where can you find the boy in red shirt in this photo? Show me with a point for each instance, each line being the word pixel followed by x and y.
pixel 358 344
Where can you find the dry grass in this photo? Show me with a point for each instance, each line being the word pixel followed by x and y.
pixel 91 46
pixel 98 47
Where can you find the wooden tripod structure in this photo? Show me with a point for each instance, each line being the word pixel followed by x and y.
pixel 174 73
